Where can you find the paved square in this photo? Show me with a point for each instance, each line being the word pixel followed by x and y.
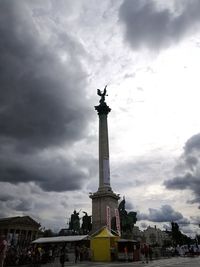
pixel 171 262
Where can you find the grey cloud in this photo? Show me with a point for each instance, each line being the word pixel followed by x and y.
pixel 21 200
pixel 195 220
pixel 43 104
pixel 51 173
pixel 6 197
pixel 179 182
pixel 186 229
pixel 188 170
pixel 148 25
pixel 138 171
pixel 24 206
pixel 183 222
pixel 191 161
pixel 187 181
pixel 40 97
pixel 167 227
pixel 3 211
pixel 17 200
pixel 129 206
pixel 144 225
pixel 192 144
pixel 165 214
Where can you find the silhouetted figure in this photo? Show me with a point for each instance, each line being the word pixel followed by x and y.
pixel 127 220
pixel 74 224
pixel 87 224
pixel 102 95
pixel 77 253
pixel 146 252
pixel 3 250
pixel 150 253
pixel 62 257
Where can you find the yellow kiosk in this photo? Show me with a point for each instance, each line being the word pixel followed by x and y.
pixel 103 245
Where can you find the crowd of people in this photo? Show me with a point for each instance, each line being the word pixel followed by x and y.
pixel 36 254
pixel 81 253
pixel 142 252
pixel 146 253
pixel 15 256
pixel 184 250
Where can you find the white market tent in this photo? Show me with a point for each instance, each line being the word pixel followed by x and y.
pixel 60 239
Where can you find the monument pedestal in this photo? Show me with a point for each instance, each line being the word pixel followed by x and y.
pixel 101 201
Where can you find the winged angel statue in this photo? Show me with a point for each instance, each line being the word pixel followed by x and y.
pixel 102 95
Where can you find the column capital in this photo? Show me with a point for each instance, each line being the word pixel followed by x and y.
pixel 103 109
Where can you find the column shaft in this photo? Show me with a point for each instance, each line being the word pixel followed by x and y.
pixel 104 165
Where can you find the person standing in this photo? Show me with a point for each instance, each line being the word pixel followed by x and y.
pixel 77 253
pixel 146 252
pixel 36 256
pixel 3 250
pixel 126 253
pixel 142 254
pixel 150 253
pixel 62 256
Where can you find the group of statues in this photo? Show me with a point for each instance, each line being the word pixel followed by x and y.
pixel 127 221
pixel 74 224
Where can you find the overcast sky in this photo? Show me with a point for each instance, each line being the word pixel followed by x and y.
pixel 54 54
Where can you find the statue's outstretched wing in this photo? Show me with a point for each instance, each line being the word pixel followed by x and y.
pixel 104 91
pixel 99 92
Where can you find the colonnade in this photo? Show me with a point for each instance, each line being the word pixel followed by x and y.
pixel 19 236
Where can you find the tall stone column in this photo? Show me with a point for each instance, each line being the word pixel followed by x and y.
pixel 104 164
pixel 104 201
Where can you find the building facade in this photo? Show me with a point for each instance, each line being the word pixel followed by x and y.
pixel 155 236
pixel 19 230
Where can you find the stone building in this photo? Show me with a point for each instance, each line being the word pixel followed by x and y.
pixel 19 230
pixel 155 236
pixel 137 233
pixel 152 236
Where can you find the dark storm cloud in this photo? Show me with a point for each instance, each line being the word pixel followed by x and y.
pixel 188 170
pixel 165 214
pixel 6 197
pixel 16 199
pixel 148 25
pixel 42 101
pixel 193 144
pixel 183 182
pixel 129 206
pixel 52 173
pixel 187 181
pixel 195 220
pixel 39 96
pixel 24 205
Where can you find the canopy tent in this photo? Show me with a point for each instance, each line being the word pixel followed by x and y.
pixel 127 240
pixel 104 232
pixel 60 239
pixel 103 245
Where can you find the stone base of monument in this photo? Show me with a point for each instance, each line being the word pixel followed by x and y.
pixel 104 204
